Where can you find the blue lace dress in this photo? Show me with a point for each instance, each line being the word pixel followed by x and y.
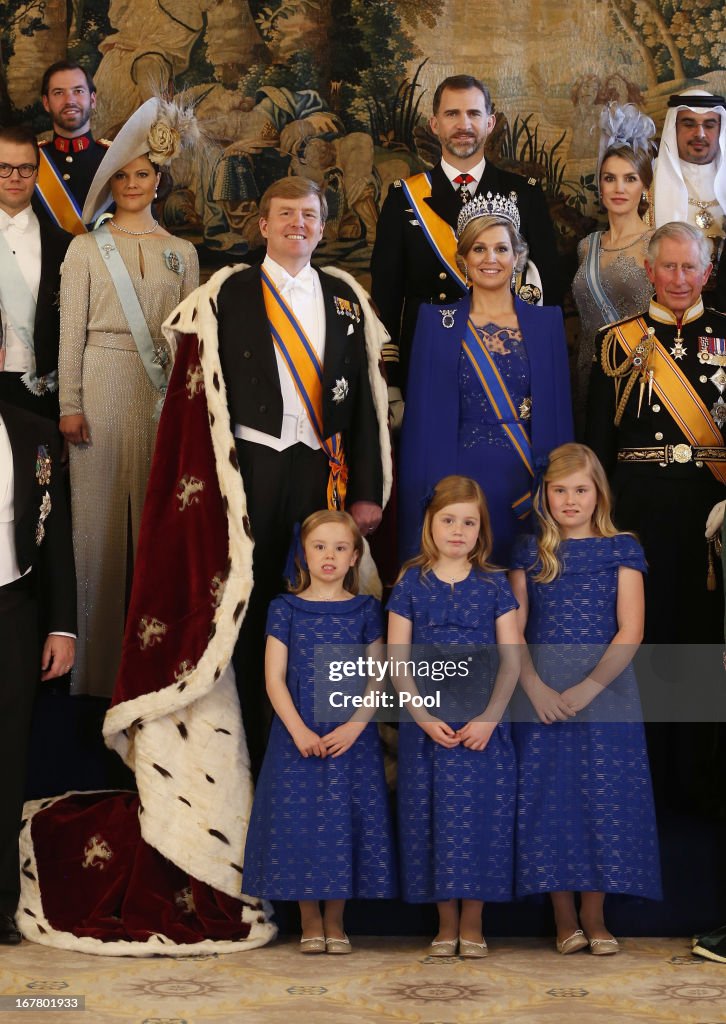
pixel 455 807
pixel 585 815
pixel 320 827
pixel 484 451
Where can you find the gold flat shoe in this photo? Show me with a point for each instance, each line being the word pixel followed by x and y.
pixel 572 943
pixel 443 947
pixel 604 947
pixel 473 950
pixel 338 946
pixel 316 944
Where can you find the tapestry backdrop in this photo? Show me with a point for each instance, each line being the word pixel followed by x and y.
pixel 340 91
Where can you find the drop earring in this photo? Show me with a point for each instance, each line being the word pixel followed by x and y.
pixel 466 276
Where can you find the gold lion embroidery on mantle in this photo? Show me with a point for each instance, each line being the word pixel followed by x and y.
pixel 187 491
pixel 150 631
pixel 195 380
pixel 96 852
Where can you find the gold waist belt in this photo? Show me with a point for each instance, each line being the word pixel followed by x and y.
pixel 109 339
pixel 668 453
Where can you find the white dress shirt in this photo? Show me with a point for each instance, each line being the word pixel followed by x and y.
pixel 304 296
pixel 476 173
pixel 9 568
pixel 22 235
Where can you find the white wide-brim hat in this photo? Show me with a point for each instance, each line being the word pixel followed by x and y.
pixel 159 129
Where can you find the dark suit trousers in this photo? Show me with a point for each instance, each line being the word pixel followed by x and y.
pixel 19 660
pixel 282 489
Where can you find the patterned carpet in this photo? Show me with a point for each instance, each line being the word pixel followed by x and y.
pixel 386 980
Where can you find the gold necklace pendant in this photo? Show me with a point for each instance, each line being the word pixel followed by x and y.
pixel 704 219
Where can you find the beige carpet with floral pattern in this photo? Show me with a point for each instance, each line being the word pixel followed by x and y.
pixel 385 980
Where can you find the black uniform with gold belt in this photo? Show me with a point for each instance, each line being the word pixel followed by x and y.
pixel 665 483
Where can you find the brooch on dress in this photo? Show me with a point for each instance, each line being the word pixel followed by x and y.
pixel 447 318
pixel 174 261
pixel 340 391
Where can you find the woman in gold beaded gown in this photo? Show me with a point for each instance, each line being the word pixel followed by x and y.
pixel 119 284
pixel 611 283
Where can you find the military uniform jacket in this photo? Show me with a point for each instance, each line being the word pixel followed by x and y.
pixel 654 426
pixel 406 271
pixel 76 167
pixel 42 520
pixel 250 371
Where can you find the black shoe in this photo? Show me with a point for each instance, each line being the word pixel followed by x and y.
pixel 9 934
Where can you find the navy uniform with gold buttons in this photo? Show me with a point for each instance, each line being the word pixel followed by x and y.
pixel 405 271
pixel 663 488
pixel 76 161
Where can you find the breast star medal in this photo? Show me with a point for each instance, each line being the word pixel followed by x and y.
pixel 340 390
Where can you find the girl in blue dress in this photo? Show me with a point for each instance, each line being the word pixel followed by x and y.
pixel 320 825
pixel 457 780
pixel 585 816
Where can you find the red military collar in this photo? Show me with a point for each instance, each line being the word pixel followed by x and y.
pixel 76 145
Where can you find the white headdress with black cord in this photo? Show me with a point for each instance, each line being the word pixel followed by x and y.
pixel 160 129
pixel 671 191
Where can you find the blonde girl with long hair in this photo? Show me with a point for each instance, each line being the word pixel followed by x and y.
pixel 321 795
pixel 585 819
pixel 456 783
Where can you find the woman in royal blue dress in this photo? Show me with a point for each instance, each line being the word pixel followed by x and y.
pixel 585 816
pixel 320 826
pixel 488 389
pixel 457 779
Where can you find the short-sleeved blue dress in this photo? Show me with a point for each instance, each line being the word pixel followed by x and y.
pixel 455 807
pixel 585 815
pixel 320 827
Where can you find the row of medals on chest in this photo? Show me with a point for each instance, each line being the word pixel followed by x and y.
pixel 711 352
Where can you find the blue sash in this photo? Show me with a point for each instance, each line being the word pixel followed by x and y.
pixel 19 307
pixel 592 279
pixel 154 359
pixel 501 402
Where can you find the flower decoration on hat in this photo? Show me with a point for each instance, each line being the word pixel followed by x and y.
pixel 160 129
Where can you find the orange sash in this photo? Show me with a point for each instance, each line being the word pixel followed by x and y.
pixel 306 371
pixel 676 393
pixel 58 201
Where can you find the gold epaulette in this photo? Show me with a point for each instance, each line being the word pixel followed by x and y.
pixel 635 364
pixel 617 323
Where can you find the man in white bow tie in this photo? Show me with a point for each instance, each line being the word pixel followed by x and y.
pixel 31 255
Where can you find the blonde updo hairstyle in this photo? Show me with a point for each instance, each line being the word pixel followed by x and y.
pixel 564 461
pixel 478 224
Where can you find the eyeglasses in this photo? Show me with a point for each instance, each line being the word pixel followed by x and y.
pixel 24 170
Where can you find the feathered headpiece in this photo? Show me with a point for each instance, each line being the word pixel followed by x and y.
pixel 625 126
pixel 159 129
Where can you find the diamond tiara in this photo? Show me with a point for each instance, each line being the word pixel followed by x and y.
pixel 489 206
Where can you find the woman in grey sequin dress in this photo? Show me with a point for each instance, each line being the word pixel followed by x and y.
pixel 108 405
pixel 617 256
